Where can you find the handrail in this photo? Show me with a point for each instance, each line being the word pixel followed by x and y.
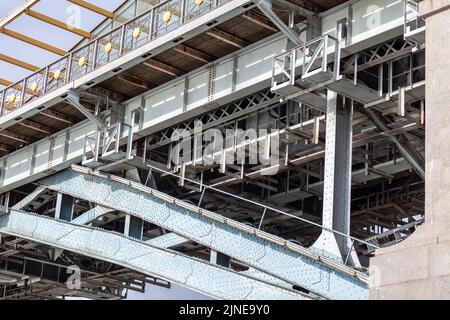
pixel 63 75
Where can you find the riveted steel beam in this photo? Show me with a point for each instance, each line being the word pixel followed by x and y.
pixel 262 251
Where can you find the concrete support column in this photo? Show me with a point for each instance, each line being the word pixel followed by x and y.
pixel 419 267
pixel 337 180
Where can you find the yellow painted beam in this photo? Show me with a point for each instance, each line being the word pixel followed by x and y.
pixel 93 8
pixel 57 23
pixel 18 62
pixel 33 42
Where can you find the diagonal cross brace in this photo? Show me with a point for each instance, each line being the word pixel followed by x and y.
pixel 198 275
pixel 73 98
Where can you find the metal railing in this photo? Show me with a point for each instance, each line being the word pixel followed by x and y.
pixel 305 61
pixel 154 23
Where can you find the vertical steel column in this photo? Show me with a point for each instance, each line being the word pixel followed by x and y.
pixel 337 183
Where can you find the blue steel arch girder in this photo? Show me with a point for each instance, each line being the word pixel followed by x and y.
pixel 261 251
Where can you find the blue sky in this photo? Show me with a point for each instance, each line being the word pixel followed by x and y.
pixel 64 11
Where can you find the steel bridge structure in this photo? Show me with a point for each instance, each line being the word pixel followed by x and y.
pixel 97 185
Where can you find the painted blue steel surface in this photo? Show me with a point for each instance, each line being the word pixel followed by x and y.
pixel 262 251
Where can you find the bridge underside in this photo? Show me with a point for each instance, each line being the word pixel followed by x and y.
pixel 137 212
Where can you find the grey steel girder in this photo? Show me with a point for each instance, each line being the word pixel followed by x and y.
pixel 199 275
pixel 260 250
